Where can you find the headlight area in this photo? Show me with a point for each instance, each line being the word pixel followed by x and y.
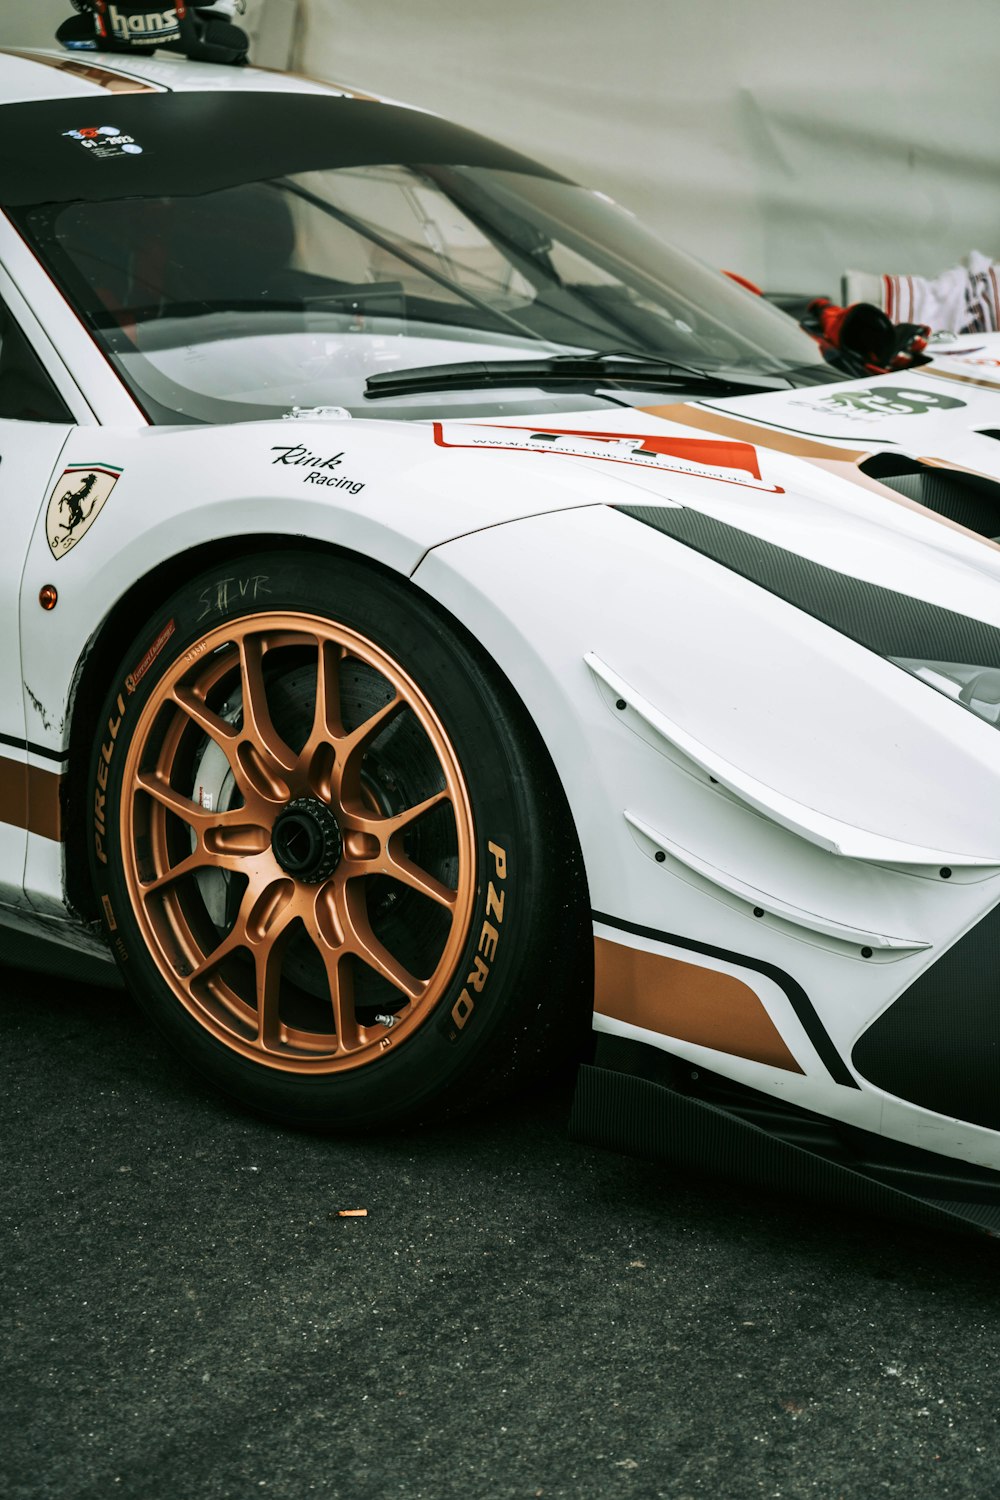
pixel 975 688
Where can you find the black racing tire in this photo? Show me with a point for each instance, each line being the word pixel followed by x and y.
pixel 327 955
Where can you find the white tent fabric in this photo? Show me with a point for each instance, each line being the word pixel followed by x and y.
pixel 783 140
pixel 787 141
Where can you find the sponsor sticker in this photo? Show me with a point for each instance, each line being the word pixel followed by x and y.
pixel 486 948
pixel 151 26
pixel 880 401
pixel 704 458
pixel 138 672
pixel 77 499
pixel 101 789
pixel 317 468
pixel 104 141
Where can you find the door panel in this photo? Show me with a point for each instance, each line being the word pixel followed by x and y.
pixel 54 383
pixel 34 426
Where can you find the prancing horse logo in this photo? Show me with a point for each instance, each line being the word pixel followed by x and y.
pixel 76 500
pixel 73 501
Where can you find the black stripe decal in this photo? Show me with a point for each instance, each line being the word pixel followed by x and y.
pixel 42 750
pixel 797 997
pixel 886 622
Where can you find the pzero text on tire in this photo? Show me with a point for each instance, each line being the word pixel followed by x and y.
pixel 331 856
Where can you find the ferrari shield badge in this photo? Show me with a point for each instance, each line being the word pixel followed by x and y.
pixel 75 503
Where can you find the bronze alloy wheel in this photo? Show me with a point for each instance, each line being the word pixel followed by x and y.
pixel 297 842
pixel 328 847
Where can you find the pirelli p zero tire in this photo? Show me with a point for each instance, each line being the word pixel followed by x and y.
pixel 332 857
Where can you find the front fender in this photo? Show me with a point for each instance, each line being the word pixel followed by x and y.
pixel 380 489
pixel 654 677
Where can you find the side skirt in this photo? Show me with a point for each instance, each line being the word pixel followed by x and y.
pixel 636 1099
pixel 63 949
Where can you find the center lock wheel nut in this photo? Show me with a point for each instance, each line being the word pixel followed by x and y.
pixel 307 841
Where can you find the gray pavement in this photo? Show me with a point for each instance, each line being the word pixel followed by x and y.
pixel 185 1314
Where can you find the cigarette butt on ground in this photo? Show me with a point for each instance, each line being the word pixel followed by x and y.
pixel 352 1213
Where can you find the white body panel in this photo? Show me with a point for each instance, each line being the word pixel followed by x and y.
pixel 27 460
pixel 842 747
pixel 792 705
pixel 741 776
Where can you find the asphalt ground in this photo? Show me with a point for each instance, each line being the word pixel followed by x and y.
pixel 185 1314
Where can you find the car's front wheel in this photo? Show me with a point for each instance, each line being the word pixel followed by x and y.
pixel 332 858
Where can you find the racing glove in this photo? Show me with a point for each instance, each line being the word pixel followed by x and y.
pixel 861 339
pixel 204 33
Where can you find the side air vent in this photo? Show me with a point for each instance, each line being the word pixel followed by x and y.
pixel 968 499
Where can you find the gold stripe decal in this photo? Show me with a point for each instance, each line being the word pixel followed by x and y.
pixel 750 432
pixel 29 798
pixel 687 1001
pixel 840 461
pixel 987 385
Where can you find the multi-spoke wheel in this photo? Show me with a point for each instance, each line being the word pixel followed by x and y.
pixel 332 861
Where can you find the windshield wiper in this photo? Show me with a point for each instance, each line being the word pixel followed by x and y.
pixel 553 370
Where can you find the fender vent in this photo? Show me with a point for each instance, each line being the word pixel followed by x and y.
pixel 968 499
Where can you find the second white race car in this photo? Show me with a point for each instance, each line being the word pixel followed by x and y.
pixel 437 615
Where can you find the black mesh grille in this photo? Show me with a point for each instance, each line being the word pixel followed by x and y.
pixel 969 499
pixel 939 1045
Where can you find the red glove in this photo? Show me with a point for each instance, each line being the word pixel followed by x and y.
pixel 861 337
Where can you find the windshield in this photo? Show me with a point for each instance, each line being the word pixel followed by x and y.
pixel 257 297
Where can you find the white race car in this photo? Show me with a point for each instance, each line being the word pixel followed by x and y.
pixel 435 614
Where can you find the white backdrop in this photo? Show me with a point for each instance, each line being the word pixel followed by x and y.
pixel 784 140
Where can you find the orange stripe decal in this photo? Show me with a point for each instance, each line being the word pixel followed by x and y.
pixel 29 798
pixel 840 461
pixel 749 432
pixel 686 1001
